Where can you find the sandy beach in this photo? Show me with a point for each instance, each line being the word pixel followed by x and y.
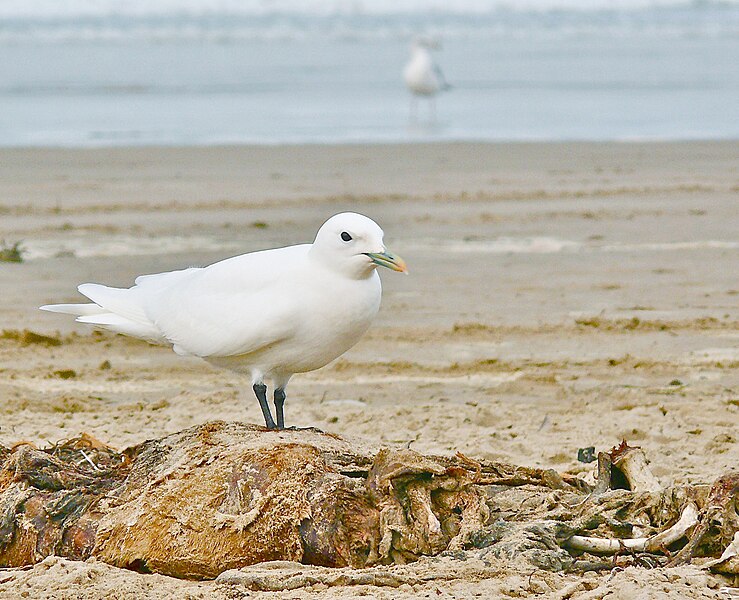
pixel 560 296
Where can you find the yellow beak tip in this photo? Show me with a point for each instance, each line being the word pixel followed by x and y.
pixel 389 260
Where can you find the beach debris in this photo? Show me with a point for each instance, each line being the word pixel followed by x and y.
pixel 26 337
pixel 728 562
pixel 11 252
pixel 632 462
pixel 65 374
pixel 655 543
pixel 719 521
pixel 586 455
pixel 220 496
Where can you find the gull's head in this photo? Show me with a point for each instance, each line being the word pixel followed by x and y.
pixel 353 244
pixel 425 43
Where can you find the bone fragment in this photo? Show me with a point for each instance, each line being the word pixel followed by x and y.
pixel 655 543
pixel 633 464
pixel 728 562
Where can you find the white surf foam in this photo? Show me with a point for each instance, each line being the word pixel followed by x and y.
pixel 547 245
pixel 106 8
pixel 121 245
pixel 224 20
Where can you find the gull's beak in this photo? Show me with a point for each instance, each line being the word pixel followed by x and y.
pixel 389 260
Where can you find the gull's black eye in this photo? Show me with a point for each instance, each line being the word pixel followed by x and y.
pixel 346 237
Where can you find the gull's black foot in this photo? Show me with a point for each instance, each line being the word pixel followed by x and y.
pixel 280 407
pixel 313 429
pixel 260 391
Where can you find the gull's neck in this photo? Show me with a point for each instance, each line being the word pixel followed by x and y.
pixel 355 267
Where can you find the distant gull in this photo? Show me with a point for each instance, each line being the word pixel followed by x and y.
pixel 267 314
pixel 422 75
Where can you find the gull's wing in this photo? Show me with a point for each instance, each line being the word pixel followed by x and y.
pixel 445 85
pixel 233 307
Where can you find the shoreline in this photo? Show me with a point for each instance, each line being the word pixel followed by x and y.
pixel 533 141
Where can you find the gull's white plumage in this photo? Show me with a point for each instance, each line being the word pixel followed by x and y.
pixel 422 75
pixel 267 314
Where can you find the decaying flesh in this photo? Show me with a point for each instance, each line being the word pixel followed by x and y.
pixel 225 495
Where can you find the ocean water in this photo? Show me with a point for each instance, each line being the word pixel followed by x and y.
pixel 104 72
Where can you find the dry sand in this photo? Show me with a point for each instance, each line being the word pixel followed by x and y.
pixel 561 296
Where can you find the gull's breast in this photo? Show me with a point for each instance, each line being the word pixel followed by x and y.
pixel 334 323
pixel 331 319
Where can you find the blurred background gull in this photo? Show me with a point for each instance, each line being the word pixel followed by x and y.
pixel 106 72
pixel 423 77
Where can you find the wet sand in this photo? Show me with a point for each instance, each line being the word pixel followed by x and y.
pixel 561 296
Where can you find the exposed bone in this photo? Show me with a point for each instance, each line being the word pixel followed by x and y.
pixel 721 507
pixel 655 543
pixel 603 481
pixel 632 462
pixel 728 562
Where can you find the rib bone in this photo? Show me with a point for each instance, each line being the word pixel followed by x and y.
pixel 655 543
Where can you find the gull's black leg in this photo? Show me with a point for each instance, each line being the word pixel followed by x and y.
pixel 279 407
pixel 260 390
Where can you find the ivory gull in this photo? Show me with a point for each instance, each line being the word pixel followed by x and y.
pixel 267 314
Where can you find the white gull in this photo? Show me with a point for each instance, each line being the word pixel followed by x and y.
pixel 422 75
pixel 267 314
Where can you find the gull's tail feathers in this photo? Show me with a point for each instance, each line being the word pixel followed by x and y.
pixel 119 324
pixel 78 310
pixel 124 302
pixel 119 310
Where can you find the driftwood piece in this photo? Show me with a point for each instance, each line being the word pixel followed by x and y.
pixel 221 496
